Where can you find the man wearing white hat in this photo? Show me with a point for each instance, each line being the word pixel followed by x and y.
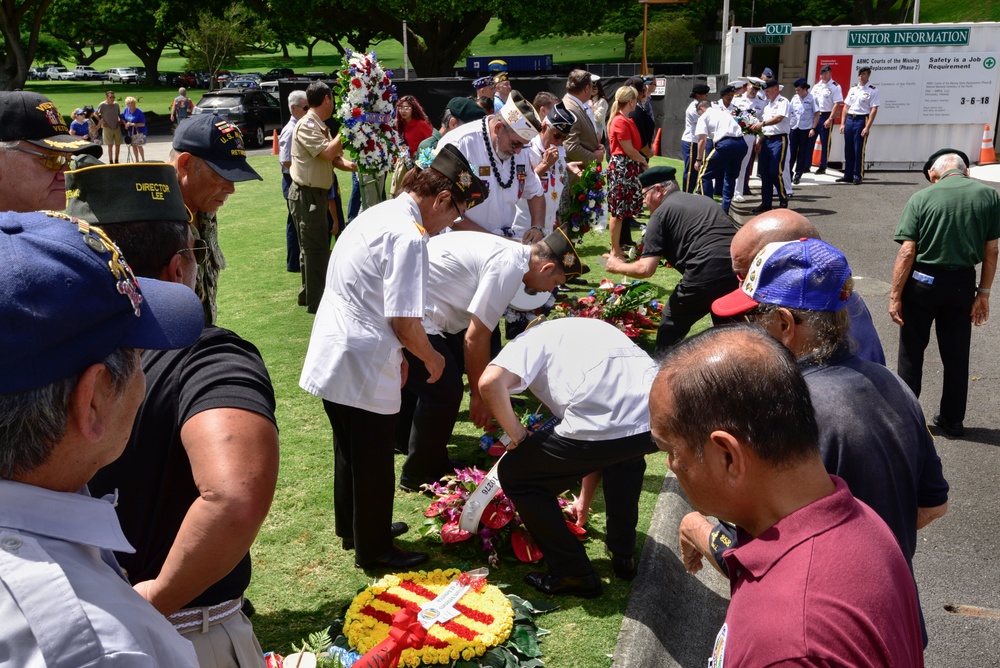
pixel 494 149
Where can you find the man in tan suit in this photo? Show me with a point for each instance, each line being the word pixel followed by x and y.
pixel 583 144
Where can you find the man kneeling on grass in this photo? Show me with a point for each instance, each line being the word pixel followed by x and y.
pixel 592 377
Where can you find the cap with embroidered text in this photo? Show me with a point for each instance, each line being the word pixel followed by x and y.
pixel 68 299
pixel 34 118
pixel 219 143
pixel 124 193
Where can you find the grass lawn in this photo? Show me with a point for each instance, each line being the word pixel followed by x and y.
pixel 302 577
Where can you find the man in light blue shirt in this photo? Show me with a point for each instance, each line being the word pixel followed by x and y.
pixel 72 308
pixel 805 118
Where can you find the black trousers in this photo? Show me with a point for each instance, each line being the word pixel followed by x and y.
pixel 801 147
pixel 364 481
pixel 429 411
pixel 947 303
pixel 687 305
pixel 545 465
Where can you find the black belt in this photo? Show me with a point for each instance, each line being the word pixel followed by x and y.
pixel 935 269
pixel 775 136
pixel 858 115
pixel 740 138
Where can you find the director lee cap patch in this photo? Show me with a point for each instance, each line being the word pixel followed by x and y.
pixel 68 299
pixel 125 193
pixel 219 143
pixel 808 274
pixel 35 119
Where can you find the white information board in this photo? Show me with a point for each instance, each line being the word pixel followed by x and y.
pixel 919 88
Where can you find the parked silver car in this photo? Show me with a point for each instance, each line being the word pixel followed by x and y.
pixel 123 75
pixel 59 73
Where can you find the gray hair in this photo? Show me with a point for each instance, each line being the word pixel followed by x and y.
pixel 704 104
pixel 948 161
pixel 33 421
pixel 296 98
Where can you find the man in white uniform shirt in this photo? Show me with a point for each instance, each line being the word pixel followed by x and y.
pixel 774 151
pixel 804 119
pixel 690 177
pixel 829 98
pixel 597 381
pixel 748 102
pixel 370 310
pixel 718 126
pixel 494 149
pixel 860 108
pixel 77 318
pixel 473 278
pixel 547 159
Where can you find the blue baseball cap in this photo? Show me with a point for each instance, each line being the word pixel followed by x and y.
pixel 808 274
pixel 68 299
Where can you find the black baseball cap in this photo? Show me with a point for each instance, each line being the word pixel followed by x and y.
pixel 34 118
pixel 219 143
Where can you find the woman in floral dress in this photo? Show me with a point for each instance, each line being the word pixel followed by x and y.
pixel 624 191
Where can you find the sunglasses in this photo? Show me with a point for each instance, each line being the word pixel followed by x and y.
pixel 461 216
pixel 53 161
pixel 558 135
pixel 199 251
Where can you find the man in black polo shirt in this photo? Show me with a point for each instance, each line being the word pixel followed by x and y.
pixel 197 477
pixel 693 234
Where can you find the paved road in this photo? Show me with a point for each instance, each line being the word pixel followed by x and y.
pixel 672 617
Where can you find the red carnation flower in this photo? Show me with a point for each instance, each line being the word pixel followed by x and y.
pixel 356 112
pixel 370 146
pixel 386 95
pixel 582 197
pixel 356 82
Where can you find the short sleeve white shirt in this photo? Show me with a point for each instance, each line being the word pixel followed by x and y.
pixel 378 271
pixel 860 99
pixel 472 274
pixel 717 124
pixel 777 107
pixel 827 95
pixel 690 122
pixel 553 182
pixel 588 373
pixel 285 144
pixel 497 212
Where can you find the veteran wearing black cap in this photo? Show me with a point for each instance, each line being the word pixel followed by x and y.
pixel 460 110
pixel 371 309
pixel 495 146
pixel 688 139
pixel 944 232
pixel 547 158
pixel 35 150
pixel 473 279
pixel 73 318
pixel 693 234
pixel 209 156
pixel 196 480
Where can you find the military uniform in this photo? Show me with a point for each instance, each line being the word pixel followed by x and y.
pixel 860 101
pixel 774 154
pixel 205 226
pixel 827 95
pixel 312 178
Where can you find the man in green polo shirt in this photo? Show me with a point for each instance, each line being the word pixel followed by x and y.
pixel 944 232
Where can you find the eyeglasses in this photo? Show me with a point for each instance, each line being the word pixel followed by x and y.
pixel 461 216
pixel 53 161
pixel 558 136
pixel 199 251
pixel 305 107
pixel 648 189
pixel 515 144
pixel 403 107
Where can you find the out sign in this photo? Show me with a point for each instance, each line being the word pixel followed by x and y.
pixel 778 29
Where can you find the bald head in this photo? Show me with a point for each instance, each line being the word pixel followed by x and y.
pixel 774 225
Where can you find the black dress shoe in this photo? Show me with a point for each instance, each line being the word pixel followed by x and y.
pixel 842 179
pixel 588 586
pixel 408 485
pixel 395 529
pixel 396 559
pixel 956 429
pixel 796 180
pixel 857 182
pixel 763 208
pixel 624 567
pixel 783 205
pixel 819 171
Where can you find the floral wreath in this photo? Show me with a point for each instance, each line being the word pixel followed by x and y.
pixel 366 108
pixel 586 203
pixel 486 620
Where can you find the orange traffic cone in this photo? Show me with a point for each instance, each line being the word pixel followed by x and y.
pixel 817 152
pixel 656 142
pixel 274 142
pixel 987 156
